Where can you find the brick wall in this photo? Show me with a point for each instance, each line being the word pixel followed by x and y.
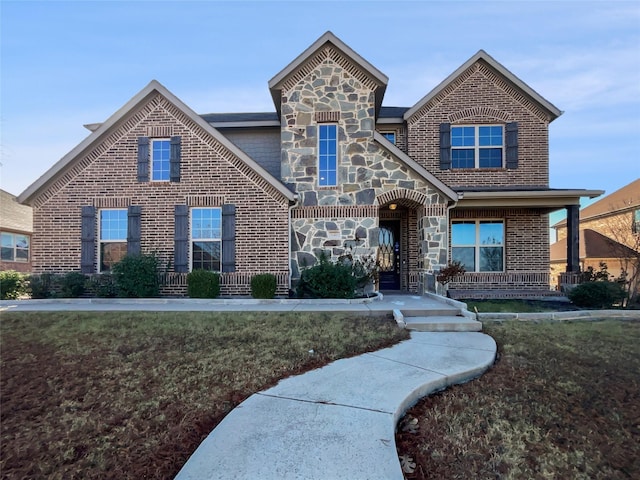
pixel 210 175
pixel 480 96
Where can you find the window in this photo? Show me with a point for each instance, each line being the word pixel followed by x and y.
pixel 635 226
pixel 113 237
pixel 15 247
pixel 391 136
pixel 328 155
pixel 480 146
pixel 478 245
pixel 160 160
pixel 206 238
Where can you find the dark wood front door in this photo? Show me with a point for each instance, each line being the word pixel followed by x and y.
pixel 389 255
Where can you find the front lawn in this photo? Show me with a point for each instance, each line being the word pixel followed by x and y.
pixel 131 395
pixel 562 401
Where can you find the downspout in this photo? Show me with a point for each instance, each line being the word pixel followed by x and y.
pixel 292 205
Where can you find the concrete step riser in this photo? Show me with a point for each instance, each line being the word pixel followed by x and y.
pixel 442 324
pixel 432 313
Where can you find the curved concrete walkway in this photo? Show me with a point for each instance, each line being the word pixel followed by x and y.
pixel 338 422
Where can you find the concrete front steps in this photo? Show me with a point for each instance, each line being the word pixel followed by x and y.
pixel 438 320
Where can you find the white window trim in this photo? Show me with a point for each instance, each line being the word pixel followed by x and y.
pixel 476 145
pixel 15 247
pixel 337 154
pixel 191 240
pixel 477 245
pixel 101 241
pixel 152 141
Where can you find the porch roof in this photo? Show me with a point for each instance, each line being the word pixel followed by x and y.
pixel 549 199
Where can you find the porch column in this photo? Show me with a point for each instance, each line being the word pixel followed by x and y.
pixel 573 238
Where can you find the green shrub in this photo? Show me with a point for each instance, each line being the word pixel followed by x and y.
pixel 136 276
pixel 72 285
pixel 597 294
pixel 327 280
pixel 104 286
pixel 42 285
pixel 12 284
pixel 203 284
pixel 264 285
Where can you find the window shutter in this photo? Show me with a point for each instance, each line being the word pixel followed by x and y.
pixel 88 239
pixel 133 230
pixel 228 238
pixel 445 146
pixel 512 145
pixel 181 239
pixel 174 159
pixel 143 159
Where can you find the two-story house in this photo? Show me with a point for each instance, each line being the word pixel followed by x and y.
pixel 462 175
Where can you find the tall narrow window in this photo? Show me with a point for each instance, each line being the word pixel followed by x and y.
pixel 160 160
pixel 635 226
pixel 206 238
pixel 113 237
pixel 480 146
pixel 328 155
pixel 478 245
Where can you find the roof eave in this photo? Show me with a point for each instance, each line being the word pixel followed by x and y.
pixel 553 111
pixel 546 199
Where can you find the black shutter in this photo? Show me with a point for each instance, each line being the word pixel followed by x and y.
pixel 228 238
pixel 181 239
pixel 143 159
pixel 88 239
pixel 174 159
pixel 133 230
pixel 445 146
pixel 511 140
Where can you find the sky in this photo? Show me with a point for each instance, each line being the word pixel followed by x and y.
pixel 65 64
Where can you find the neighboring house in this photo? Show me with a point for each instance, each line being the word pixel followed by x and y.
pixel 461 175
pixel 16 227
pixel 610 233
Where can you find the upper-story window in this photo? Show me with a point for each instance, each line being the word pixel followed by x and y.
pixel 113 237
pixel 327 155
pixel 477 146
pixel 160 159
pixel 15 247
pixel 635 226
pixel 391 136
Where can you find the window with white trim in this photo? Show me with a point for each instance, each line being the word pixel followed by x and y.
pixel 15 247
pixel 113 237
pixel 478 245
pixel 160 159
pixel 327 155
pixel 206 239
pixel 477 146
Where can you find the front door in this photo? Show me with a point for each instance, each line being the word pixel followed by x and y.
pixel 389 255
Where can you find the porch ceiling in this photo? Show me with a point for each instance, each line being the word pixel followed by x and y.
pixel 547 199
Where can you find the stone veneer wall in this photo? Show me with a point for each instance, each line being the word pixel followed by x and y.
pixel 369 177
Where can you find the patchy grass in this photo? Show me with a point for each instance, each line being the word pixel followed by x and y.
pixel 131 395
pixel 562 401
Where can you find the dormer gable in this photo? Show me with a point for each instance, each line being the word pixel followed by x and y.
pixel 328 46
pixel 491 68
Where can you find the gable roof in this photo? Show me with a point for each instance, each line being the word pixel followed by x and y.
pixel 154 87
pixel 624 199
pixel 415 166
pixel 275 84
pixel 592 245
pixel 13 215
pixel 481 55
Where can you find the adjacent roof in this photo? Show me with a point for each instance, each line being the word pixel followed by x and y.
pixel 275 84
pixel 13 216
pixel 153 88
pixel 551 109
pixel 624 199
pixel 592 245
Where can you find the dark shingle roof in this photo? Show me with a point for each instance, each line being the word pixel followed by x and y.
pixel 392 112
pixel 592 245
pixel 13 215
pixel 240 117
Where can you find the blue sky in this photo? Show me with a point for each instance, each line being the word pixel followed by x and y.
pixel 65 64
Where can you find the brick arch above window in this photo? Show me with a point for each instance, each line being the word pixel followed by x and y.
pixel 473 113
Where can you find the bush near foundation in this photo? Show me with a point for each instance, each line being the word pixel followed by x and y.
pixel 327 280
pixel 203 284
pixel 263 285
pixel 600 294
pixel 136 276
pixel 12 284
